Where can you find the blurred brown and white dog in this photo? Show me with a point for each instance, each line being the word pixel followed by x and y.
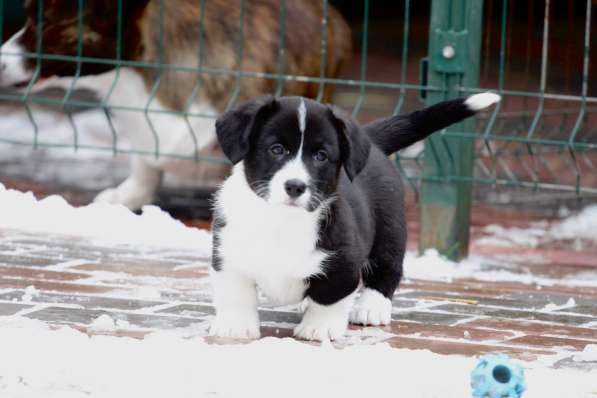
pixel 169 32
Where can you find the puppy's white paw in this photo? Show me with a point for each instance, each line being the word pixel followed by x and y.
pixel 235 327
pixel 320 331
pixel 324 322
pixel 371 308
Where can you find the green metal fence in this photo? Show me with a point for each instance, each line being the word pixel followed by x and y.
pixel 541 137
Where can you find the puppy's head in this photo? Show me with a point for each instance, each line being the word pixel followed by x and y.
pixel 293 149
pixel 60 27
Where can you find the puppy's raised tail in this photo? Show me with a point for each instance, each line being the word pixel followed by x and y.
pixel 397 132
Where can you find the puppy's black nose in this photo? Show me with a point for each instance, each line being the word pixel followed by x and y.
pixel 295 188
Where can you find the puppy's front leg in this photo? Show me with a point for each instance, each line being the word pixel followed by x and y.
pixel 235 299
pixel 329 302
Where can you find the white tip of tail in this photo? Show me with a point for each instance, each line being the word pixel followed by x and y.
pixel 481 101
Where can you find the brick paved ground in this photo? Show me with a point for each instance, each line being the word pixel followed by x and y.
pixel 71 281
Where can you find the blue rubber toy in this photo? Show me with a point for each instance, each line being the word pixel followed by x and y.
pixel 497 377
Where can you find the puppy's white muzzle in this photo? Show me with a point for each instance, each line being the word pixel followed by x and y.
pixel 290 185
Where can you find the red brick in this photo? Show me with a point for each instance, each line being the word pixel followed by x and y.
pixel 466 349
pixel 550 342
pixel 38 274
pixel 535 328
pixel 451 332
pixel 135 334
pixel 61 287
pixel 140 270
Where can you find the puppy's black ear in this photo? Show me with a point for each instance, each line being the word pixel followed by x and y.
pixel 354 143
pixel 234 128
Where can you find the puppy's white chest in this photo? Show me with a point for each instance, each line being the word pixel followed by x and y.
pixel 278 255
pixel 273 245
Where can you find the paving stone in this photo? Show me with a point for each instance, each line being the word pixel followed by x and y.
pixel 582 309
pixel 507 308
pixel 550 342
pixel 512 314
pixel 451 332
pixel 38 273
pixel 518 301
pixel 7 309
pixel 182 256
pixel 467 349
pixel 280 316
pixel 155 321
pixel 89 302
pixel 66 315
pixel 159 271
pixel 200 311
pixel 455 298
pixel 492 289
pixel 190 310
pixel 62 287
pixel 187 296
pixel 432 318
pixel 538 300
pixel 28 261
pixel 534 328
pixel 64 244
pixel 60 315
pixel 400 303
pixel 6 248
pixel 281 333
pixel 134 334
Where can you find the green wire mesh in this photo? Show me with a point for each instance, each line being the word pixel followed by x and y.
pixel 538 137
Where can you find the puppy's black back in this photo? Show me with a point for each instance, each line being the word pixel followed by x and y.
pixel 369 215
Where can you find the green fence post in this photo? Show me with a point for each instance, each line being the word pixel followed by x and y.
pixel 454 54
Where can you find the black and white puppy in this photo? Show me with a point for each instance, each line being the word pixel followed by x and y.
pixel 313 207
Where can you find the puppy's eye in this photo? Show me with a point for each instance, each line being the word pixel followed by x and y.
pixel 320 156
pixel 277 150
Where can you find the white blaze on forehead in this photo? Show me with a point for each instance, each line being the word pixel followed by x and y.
pixel 302 116
pixel 12 61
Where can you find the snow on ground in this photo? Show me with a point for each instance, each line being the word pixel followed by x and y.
pixel 104 222
pixel 589 354
pixel 38 362
pixel 432 266
pixel 116 224
pixel 581 226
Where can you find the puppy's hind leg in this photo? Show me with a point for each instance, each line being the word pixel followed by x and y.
pixel 380 279
pixel 137 190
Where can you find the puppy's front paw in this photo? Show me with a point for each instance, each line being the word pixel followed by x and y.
pixel 320 331
pixel 238 327
pixel 372 308
pixel 323 322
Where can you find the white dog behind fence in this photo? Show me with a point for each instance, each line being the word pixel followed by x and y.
pixel 155 106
